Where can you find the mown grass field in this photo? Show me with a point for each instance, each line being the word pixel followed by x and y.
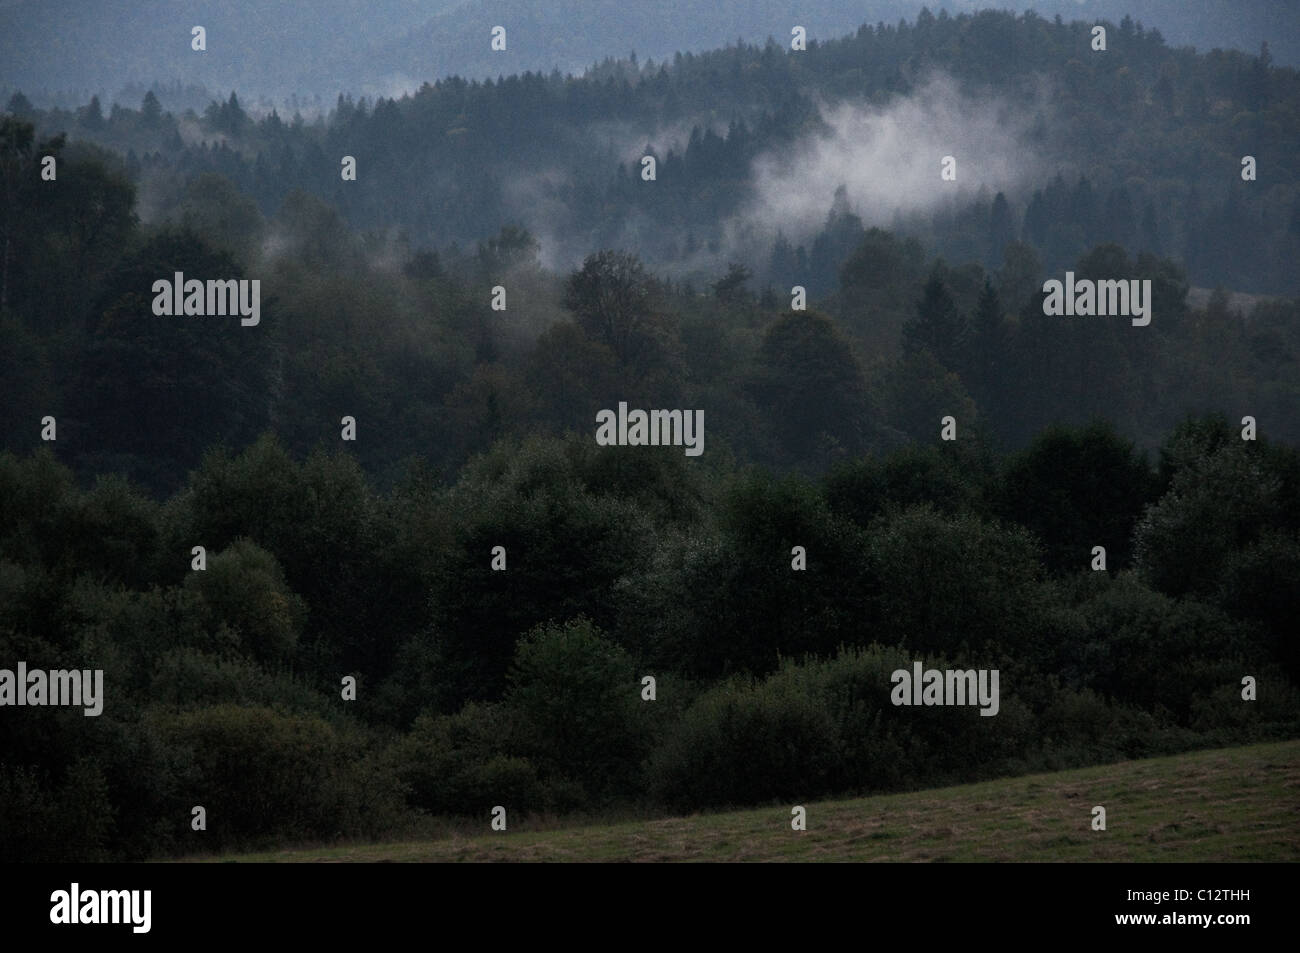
pixel 1233 804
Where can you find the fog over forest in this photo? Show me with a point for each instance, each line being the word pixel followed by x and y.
pixel 641 416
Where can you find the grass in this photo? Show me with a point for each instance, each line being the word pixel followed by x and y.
pixel 1233 804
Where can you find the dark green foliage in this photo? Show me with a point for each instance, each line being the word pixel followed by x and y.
pixel 1257 582
pixel 947 476
pixel 182 383
pixel 734 600
pixel 938 326
pixel 317 519
pixel 810 386
pixel 373 557
pixel 247 600
pixel 827 727
pixel 457 764
pixel 1213 507
pixel 223 685
pixel 1076 489
pixel 943 584
pixel 263 775
pixel 579 708
pixel 1144 649
pixel 741 745
pixel 612 298
pixel 66 824
pixel 566 549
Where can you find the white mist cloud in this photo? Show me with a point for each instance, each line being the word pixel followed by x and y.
pixel 888 158
pixel 536 202
pixel 391 86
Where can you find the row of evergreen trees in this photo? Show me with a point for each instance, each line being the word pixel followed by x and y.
pixel 407 343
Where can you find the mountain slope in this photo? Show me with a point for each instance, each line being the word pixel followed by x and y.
pixel 385 47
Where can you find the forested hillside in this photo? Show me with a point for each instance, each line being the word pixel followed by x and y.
pixel 315 49
pixel 1141 145
pixel 389 470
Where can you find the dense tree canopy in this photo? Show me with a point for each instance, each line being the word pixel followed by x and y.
pixel 390 485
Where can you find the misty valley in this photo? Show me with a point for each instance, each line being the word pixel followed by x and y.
pixel 355 500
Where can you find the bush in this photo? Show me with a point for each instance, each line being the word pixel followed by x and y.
pixel 953 585
pixel 244 590
pixel 744 743
pixel 578 702
pixel 460 764
pixel 828 727
pixel 270 777
pixel 60 823
pixel 190 678
pixel 1144 649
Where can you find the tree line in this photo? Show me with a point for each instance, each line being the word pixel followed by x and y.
pixel 524 685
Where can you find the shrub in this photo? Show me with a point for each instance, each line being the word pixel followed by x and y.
pixel 460 764
pixel 263 776
pixel 578 702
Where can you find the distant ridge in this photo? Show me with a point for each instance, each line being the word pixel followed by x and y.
pixel 386 47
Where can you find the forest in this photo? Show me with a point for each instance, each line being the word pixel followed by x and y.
pixel 233 521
